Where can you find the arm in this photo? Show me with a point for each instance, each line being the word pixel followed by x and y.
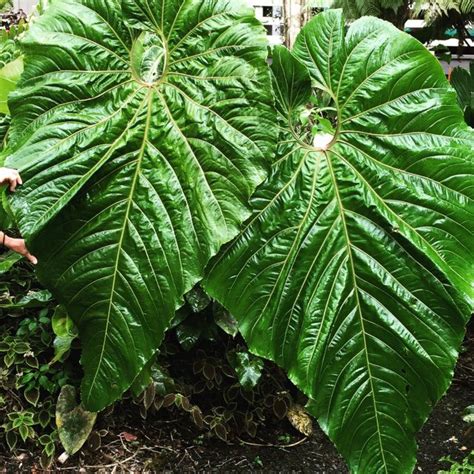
pixel 18 246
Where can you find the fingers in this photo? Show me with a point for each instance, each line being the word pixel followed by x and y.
pixel 31 258
pixel 26 253
pixel 15 180
pixel 10 176
pixel 19 246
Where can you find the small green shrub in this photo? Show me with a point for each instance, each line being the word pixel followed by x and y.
pixel 29 381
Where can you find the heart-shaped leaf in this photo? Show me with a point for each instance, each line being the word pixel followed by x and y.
pixel 355 272
pixel 141 129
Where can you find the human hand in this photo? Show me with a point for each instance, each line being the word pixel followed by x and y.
pixel 10 177
pixel 19 246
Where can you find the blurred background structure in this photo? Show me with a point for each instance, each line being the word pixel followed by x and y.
pixel 25 5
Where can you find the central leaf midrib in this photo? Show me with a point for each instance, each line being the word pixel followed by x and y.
pixel 358 305
pixel 122 235
pixel 193 153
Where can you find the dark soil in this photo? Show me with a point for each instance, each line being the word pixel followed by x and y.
pixel 169 441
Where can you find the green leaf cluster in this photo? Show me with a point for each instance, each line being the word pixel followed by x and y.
pixel 142 130
pixel 29 379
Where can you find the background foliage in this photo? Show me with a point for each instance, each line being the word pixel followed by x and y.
pixel 30 380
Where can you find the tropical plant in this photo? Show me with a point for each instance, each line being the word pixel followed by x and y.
pixel 436 9
pixel 463 81
pixel 355 272
pixel 466 466
pixel 442 17
pixel 224 390
pixel 395 11
pixel 439 15
pixel 11 67
pixel 141 130
pixel 9 75
pixel 141 133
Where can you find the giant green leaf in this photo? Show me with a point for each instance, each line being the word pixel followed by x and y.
pixel 141 129
pixel 355 272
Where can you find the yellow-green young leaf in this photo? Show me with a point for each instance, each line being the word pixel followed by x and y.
pixel 355 272
pixel 141 129
pixel 65 332
pixel 9 76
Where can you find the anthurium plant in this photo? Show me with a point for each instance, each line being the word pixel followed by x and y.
pixel 326 202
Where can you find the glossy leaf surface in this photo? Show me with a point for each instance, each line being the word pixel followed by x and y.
pixel 141 129
pixel 355 272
